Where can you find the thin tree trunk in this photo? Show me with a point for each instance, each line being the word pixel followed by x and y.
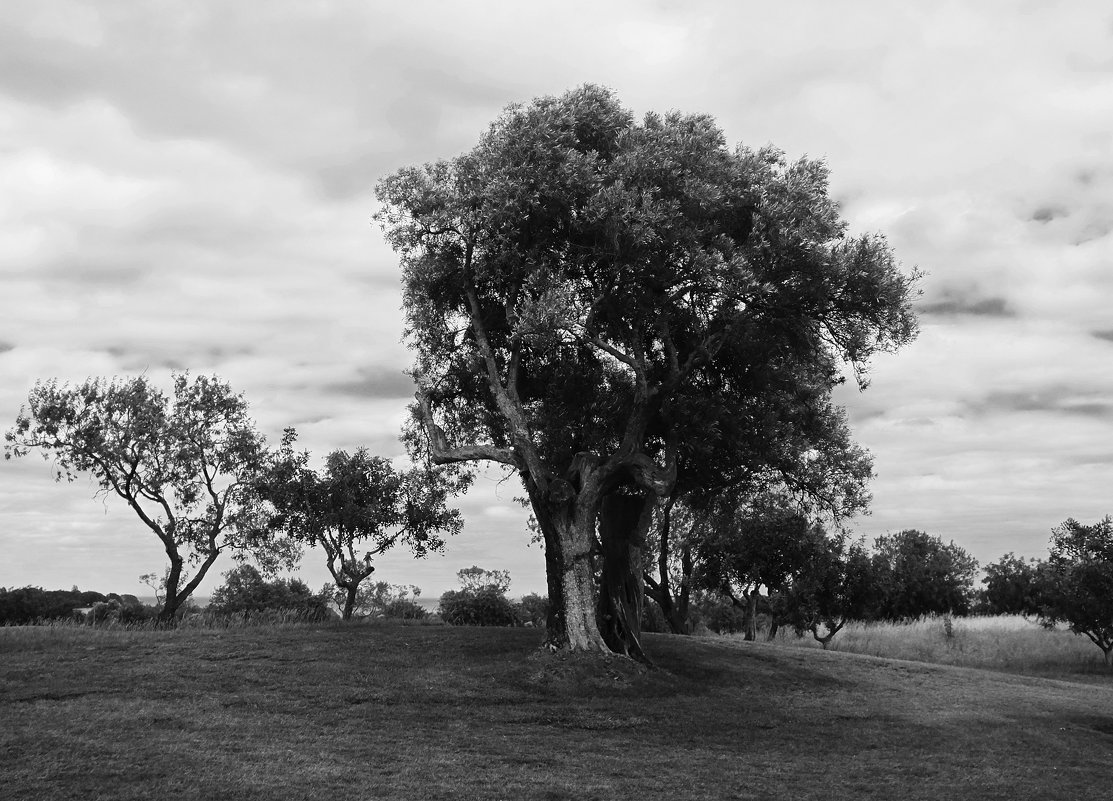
pixel 751 616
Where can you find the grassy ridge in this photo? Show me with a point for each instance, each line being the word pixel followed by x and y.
pixel 414 712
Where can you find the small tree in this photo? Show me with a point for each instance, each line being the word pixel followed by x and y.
pixel 1076 584
pixel 920 575
pixel 359 502
pixel 246 592
pixel 747 545
pixel 834 586
pixel 480 601
pixel 1010 587
pixel 185 465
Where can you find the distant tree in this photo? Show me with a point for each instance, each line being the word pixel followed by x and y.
pixel 186 466
pixel 379 598
pixel 834 586
pixel 594 298
pixel 246 592
pixel 480 601
pixel 918 574
pixel 357 508
pixel 1076 584
pixel 478 579
pixel 747 545
pixel 1010 587
pixel 533 610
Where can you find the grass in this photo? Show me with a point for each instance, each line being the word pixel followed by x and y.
pixel 1008 643
pixel 428 712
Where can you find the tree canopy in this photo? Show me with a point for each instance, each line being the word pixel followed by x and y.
pixel 185 464
pixel 1076 584
pixel 606 304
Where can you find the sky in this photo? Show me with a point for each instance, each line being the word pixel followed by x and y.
pixel 189 186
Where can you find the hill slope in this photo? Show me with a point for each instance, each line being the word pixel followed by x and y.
pixel 413 712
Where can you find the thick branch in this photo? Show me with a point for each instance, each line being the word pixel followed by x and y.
pixel 442 453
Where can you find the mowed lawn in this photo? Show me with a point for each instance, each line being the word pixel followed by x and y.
pixel 428 712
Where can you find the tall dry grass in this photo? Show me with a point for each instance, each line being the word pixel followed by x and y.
pixel 1009 643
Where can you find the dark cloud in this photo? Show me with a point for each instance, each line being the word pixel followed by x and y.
pixel 1052 400
pixel 1106 335
pixel 1045 214
pixel 376 382
pixel 5 347
pixel 953 304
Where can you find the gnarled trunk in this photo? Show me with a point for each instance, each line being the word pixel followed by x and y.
pixel 623 522
pixel 568 531
pixel 350 593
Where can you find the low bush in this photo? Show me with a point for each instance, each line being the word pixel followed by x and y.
pixel 486 606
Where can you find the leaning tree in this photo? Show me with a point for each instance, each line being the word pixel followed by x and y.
pixel 187 465
pixel 592 298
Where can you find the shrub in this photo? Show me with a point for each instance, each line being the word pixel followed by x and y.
pixel 533 610
pixel 484 607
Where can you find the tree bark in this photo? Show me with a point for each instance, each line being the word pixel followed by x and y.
pixel 751 616
pixel 623 522
pixel 567 525
pixel 351 590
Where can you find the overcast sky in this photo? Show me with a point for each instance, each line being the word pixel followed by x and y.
pixel 190 186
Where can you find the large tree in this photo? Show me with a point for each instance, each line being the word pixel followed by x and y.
pixel 357 508
pixel 593 298
pixel 186 465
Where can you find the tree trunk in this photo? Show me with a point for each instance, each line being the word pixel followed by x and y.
pixel 623 522
pixel 351 590
pixel 751 616
pixel 174 599
pixel 674 609
pixel 568 532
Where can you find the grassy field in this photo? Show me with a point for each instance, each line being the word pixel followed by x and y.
pixel 432 712
pixel 1009 643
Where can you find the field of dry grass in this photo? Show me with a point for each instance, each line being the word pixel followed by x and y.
pixel 1009 643
pixel 431 712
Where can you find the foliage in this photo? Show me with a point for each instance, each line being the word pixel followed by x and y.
pixel 835 585
pixel 1011 587
pixel 480 601
pixel 477 579
pixel 379 599
pixel 611 306
pixel 245 592
pixel 21 606
pixel 185 465
pixel 532 610
pixel 746 544
pixel 716 613
pixel 358 502
pixel 918 574
pixel 1076 584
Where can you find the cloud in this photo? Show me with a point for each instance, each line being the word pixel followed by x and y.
pixel 953 304
pixel 378 382
pixel 1051 400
